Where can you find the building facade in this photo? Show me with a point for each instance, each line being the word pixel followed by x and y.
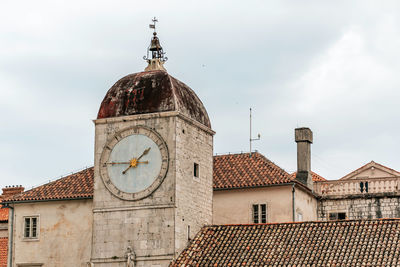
pixel 370 192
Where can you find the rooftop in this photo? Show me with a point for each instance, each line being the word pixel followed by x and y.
pixel 75 186
pixel 241 171
pixel 333 243
pixel 3 251
pixel 152 92
pixel 3 215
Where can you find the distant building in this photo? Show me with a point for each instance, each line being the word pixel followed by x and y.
pixel 370 192
pixel 8 192
pixel 252 189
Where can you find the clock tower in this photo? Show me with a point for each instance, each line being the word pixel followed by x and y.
pixel 153 168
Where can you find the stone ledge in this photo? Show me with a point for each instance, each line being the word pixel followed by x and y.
pixel 167 206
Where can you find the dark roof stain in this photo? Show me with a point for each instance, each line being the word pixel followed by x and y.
pixel 150 92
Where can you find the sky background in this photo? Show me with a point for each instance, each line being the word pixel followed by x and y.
pixel 333 66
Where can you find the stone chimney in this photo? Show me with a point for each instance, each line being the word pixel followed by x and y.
pixel 304 139
pixel 11 190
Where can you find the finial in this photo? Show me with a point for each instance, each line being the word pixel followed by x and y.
pixel 157 59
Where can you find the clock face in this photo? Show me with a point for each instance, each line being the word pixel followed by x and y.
pixel 134 163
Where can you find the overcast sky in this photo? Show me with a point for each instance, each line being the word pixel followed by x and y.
pixel 333 66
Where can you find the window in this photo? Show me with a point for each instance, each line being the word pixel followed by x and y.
pixel 337 216
pixel 364 187
pixel 31 227
pixel 196 170
pixel 259 213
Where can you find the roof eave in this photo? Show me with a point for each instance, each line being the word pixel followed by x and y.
pixel 248 187
pixel 45 200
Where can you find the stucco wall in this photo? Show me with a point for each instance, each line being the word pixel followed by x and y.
pixel 305 204
pixel 235 206
pixel 65 232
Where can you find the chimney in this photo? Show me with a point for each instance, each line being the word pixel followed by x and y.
pixel 11 190
pixel 304 139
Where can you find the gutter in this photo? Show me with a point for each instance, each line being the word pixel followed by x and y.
pixel 10 234
pixel 293 202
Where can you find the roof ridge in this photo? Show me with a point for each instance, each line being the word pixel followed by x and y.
pixel 236 153
pixel 308 222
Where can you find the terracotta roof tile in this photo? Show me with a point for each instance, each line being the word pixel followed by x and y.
pixel 241 170
pixel 315 177
pixel 77 185
pixel 3 251
pixel 3 214
pixel 334 243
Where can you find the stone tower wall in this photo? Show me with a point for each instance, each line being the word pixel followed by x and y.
pixel 156 227
pixel 194 144
pixel 147 225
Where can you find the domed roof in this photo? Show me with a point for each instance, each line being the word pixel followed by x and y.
pixel 149 92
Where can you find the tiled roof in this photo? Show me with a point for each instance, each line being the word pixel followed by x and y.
pixel 315 177
pixel 3 214
pixel 241 170
pixel 3 251
pixel 77 185
pixel 338 243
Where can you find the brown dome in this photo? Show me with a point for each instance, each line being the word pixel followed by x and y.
pixel 149 92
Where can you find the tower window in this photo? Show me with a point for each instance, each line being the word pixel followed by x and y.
pixel 31 227
pixel 196 170
pixel 259 213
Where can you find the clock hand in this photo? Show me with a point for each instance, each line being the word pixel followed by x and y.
pixel 144 153
pixel 118 163
pixel 126 169
pixel 134 165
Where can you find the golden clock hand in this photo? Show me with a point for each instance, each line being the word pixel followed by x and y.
pixel 145 162
pixel 144 153
pixel 118 163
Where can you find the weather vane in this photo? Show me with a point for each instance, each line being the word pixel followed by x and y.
pixel 153 26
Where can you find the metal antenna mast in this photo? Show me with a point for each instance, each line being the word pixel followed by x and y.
pixel 253 139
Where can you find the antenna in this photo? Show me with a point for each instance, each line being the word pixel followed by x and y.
pixel 253 139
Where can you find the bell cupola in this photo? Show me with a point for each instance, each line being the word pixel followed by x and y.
pixel 155 54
